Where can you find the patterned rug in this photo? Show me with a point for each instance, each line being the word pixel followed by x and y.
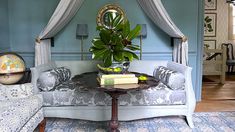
pixel 204 122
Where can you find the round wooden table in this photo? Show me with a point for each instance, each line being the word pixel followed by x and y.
pixel 90 80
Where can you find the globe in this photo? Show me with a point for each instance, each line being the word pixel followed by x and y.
pixel 12 68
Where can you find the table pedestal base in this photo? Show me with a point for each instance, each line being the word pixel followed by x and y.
pixel 113 124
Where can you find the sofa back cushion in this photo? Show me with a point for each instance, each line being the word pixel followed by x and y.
pixel 48 80
pixel 82 66
pixel 146 66
pixel 172 79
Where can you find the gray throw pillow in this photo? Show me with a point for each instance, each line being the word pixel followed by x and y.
pixel 48 80
pixel 172 79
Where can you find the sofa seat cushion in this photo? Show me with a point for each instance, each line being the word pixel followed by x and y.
pixel 80 96
pixel 14 114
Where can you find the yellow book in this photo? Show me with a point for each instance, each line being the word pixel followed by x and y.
pixel 117 75
pixel 113 81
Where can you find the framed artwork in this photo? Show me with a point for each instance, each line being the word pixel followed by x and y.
pixel 210 4
pixel 210 44
pixel 210 24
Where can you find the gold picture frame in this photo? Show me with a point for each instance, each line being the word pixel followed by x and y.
pixel 210 4
pixel 211 44
pixel 210 24
pixel 109 8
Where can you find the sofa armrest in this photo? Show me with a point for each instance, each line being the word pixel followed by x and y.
pixel 8 92
pixel 13 101
pixel 16 113
pixel 187 72
pixel 145 66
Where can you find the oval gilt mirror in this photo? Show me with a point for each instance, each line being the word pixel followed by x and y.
pixel 102 18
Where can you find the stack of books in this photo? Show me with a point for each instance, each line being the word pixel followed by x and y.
pixel 113 79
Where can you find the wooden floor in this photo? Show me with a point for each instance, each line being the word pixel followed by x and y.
pixel 217 97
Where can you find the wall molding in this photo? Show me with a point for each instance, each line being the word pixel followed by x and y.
pixel 30 53
pixel 74 55
pixel 63 55
pixel 5 50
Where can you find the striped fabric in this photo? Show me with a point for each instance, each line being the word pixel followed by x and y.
pixel 50 79
pixel 174 80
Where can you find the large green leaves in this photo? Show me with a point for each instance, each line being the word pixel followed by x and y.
pixel 98 44
pixel 98 54
pixel 133 47
pixel 126 29
pixel 105 36
pixel 117 21
pixel 130 55
pixel 114 41
pixel 118 56
pixel 108 58
pixel 134 33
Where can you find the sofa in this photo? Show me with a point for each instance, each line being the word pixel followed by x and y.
pixel 77 102
pixel 20 109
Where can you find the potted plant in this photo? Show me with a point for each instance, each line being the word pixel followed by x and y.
pixel 114 43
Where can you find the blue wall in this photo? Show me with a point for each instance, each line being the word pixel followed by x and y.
pixel 66 40
pixel 4 27
pixel 189 20
pixel 28 17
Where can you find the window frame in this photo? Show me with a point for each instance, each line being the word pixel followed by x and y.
pixel 231 22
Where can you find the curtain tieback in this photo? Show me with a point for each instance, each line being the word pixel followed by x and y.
pixel 38 40
pixel 184 38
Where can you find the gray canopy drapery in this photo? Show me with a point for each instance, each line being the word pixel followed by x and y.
pixel 158 14
pixel 63 13
pixel 66 9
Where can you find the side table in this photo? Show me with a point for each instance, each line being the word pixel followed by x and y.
pixel 89 80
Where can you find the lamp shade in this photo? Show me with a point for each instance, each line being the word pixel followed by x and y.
pixel 143 31
pixel 82 30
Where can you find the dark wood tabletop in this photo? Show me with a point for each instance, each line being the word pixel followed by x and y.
pixel 89 80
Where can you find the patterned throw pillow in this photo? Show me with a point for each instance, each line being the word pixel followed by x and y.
pixel 48 80
pixel 172 79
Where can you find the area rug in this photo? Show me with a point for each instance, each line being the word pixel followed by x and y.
pixel 204 122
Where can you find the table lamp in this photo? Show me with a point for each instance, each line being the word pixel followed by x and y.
pixel 81 33
pixel 143 33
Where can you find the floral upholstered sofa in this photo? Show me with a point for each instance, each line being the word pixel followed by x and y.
pixel 173 96
pixel 20 109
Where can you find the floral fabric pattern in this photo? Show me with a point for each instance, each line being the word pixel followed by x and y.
pixel 8 92
pixel 14 114
pixel 76 94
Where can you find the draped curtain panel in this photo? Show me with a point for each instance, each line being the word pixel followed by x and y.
pixel 180 51
pixel 66 9
pixel 158 14
pixel 64 12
